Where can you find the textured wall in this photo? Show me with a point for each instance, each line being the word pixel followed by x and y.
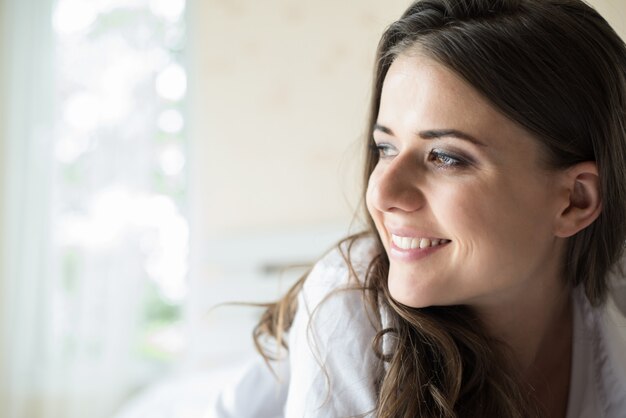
pixel 278 97
pixel 3 104
pixel 3 90
pixel 278 101
pixel 614 11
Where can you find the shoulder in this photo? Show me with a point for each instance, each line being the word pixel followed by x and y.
pixel 336 281
pixel 606 327
pixel 334 368
pixel 334 287
pixel 613 328
pixel 345 264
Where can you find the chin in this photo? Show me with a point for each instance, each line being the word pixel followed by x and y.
pixel 412 294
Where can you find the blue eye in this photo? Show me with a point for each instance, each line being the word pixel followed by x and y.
pixel 443 160
pixel 384 150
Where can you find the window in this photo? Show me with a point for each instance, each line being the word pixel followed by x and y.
pixel 98 273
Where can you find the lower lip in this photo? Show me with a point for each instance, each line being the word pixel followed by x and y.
pixel 413 254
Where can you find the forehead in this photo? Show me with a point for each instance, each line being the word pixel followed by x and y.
pixel 420 93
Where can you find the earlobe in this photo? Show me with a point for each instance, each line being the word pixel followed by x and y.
pixel 583 202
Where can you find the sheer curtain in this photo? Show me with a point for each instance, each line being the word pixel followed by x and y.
pixel 27 175
pixel 94 240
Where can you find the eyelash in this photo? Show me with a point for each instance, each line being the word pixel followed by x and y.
pixel 381 149
pixel 445 160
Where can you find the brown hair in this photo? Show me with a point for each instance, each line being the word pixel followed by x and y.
pixel 557 68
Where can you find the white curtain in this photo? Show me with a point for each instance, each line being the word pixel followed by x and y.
pixel 27 138
pixel 71 354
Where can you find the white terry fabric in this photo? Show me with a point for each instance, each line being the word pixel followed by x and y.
pixel 252 392
pixel 598 374
pixel 340 338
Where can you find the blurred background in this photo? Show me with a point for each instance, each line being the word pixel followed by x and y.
pixel 159 157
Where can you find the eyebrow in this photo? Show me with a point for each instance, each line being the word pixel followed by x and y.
pixel 437 133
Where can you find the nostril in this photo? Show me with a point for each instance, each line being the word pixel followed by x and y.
pixel 405 200
pixel 391 188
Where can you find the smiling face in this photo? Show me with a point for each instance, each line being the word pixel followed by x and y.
pixel 461 196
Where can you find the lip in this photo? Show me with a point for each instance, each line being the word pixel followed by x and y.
pixel 403 231
pixel 413 254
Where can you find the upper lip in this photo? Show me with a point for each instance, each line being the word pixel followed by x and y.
pixel 410 232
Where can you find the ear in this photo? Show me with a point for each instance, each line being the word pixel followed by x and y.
pixel 582 199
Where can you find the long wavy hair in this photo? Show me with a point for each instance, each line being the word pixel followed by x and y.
pixel 558 69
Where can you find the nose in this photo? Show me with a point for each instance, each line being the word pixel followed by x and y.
pixel 395 186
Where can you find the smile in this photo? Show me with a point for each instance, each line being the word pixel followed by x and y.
pixel 410 243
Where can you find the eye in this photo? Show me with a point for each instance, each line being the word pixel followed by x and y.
pixel 444 160
pixel 384 150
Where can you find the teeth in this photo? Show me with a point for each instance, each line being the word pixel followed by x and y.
pixel 407 243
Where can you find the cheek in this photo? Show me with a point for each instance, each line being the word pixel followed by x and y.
pixel 475 216
pixel 496 227
pixel 459 209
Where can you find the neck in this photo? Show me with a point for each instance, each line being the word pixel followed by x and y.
pixel 531 327
pixel 538 330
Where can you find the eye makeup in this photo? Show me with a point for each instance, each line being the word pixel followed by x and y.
pixel 448 160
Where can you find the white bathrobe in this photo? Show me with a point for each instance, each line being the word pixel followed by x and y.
pixel 340 338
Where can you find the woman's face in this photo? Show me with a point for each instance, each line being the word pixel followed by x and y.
pixel 461 197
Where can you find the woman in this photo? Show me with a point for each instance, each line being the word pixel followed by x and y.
pixel 496 194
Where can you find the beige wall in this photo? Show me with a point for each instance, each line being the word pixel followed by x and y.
pixel 614 11
pixel 3 95
pixel 3 90
pixel 278 94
